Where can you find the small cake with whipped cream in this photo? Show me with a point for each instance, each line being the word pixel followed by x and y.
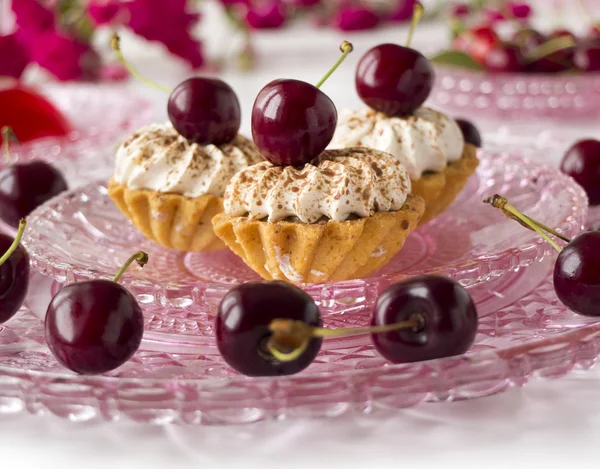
pixel 428 143
pixel 170 188
pixel 340 217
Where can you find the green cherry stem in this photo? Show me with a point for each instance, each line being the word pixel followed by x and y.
pixel 115 44
pixel 346 48
pixel 417 15
pixel 7 135
pixel 511 212
pixel 549 47
pixel 290 338
pixel 140 257
pixel 15 243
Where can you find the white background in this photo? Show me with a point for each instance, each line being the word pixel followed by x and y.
pixel 546 424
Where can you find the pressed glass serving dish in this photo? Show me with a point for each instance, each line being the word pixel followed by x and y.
pixel 178 376
pixel 517 95
pixel 81 235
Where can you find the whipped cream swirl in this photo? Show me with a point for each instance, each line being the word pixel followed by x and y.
pixel 424 141
pixel 156 157
pixel 336 185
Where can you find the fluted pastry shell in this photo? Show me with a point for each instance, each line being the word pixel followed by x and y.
pixel 319 252
pixel 172 220
pixel 439 189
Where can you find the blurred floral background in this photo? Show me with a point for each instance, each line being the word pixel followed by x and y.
pixel 60 36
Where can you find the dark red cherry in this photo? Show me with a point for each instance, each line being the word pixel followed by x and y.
pixel 470 132
pixel 292 122
pixel 443 310
pixel 393 79
pixel 242 326
pixel 14 275
pixel 24 187
pixel 587 56
pixel 95 326
pixel 577 274
pixel 504 59
pixel 582 163
pixel 205 110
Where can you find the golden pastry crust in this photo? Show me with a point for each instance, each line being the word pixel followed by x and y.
pixel 440 189
pixel 172 220
pixel 319 252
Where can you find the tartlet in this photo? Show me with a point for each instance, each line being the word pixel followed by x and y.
pixel 340 217
pixel 428 143
pixel 170 188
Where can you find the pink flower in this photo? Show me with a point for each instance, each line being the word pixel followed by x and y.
pixel 403 11
pixel 14 56
pixel 188 49
pixel 104 11
pixel 266 15
pixel 355 18
pixel 460 10
pixel 30 15
pixel 494 16
pixel 169 23
pixel 519 10
pixel 66 58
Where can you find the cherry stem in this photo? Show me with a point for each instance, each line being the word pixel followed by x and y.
pixel 140 257
pixel 291 338
pixel 417 14
pixel 550 47
pixel 511 212
pixel 115 43
pixel 15 243
pixel 346 48
pixel 7 135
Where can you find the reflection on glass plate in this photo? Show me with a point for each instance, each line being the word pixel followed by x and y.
pixel 517 95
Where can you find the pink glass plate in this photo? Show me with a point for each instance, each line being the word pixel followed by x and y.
pixel 534 336
pixel 178 376
pixel 517 95
pixel 81 235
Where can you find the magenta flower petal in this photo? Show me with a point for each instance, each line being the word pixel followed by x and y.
pixel 169 23
pixel 30 15
pixel 14 56
pixel 104 11
pixel 66 58
pixel 460 10
pixel 356 18
pixel 403 10
pixel 519 10
pixel 266 15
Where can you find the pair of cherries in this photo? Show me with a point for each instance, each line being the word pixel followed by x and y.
pixel 275 328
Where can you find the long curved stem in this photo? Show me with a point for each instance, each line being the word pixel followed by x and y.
pixel 115 44
pixel 291 338
pixel 7 135
pixel 511 212
pixel 15 243
pixel 417 14
pixel 346 48
pixel 140 257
